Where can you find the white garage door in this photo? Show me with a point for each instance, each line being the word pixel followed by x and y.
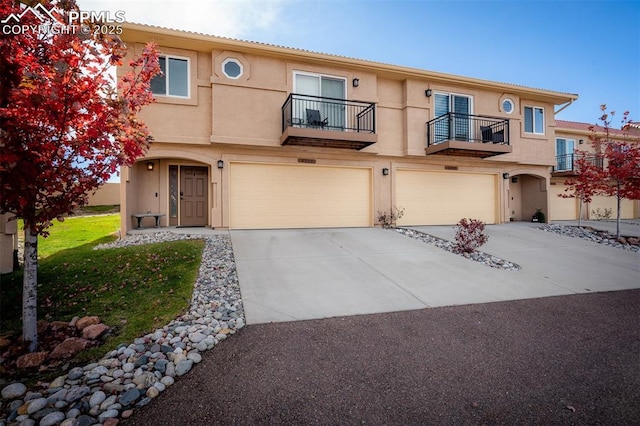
pixel 562 208
pixel 441 198
pixel 264 196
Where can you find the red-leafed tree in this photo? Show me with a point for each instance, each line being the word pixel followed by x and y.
pixel 589 179
pixel 622 157
pixel 614 169
pixel 65 127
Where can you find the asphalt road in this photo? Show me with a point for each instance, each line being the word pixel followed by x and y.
pixel 558 360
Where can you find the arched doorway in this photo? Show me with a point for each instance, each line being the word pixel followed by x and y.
pixel 526 194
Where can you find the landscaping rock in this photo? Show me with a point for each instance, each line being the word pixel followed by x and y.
pixel 85 420
pixel 13 391
pixel 4 343
pixel 69 348
pixel 183 367
pixel 52 419
pixel 97 398
pixel 478 256
pixel 58 382
pixel 84 322
pixel 133 375
pixel 76 393
pixel 75 373
pixel 594 235
pixel 129 397
pixel 92 332
pixel 32 360
pixel 37 405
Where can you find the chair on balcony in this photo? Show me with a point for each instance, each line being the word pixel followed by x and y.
pixel 314 119
pixel 488 135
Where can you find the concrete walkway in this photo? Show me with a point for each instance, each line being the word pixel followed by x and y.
pixel 290 275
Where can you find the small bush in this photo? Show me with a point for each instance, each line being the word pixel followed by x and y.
pixel 539 216
pixel 600 214
pixel 388 220
pixel 470 235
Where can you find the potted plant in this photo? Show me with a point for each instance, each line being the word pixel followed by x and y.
pixel 539 216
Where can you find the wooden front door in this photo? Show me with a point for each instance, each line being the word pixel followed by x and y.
pixel 194 202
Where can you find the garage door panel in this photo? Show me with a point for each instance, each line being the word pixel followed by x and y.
pixel 626 207
pixel 267 196
pixel 438 198
pixel 562 208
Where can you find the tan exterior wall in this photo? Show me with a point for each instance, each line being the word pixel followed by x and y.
pixel 630 208
pixel 8 242
pixel 107 195
pixel 240 120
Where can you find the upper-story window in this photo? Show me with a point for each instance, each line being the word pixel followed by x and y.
pixel 507 106
pixel 564 153
pixel 232 68
pixel 319 85
pixel 534 120
pixel 447 102
pixel 174 80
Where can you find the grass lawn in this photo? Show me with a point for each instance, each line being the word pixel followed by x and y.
pixel 76 231
pixel 133 290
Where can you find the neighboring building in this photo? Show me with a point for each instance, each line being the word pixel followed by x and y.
pixel 573 137
pixel 250 135
pixel 107 195
pixel 8 243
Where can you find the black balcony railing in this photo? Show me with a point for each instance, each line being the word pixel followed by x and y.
pixel 569 162
pixel 323 113
pixel 467 128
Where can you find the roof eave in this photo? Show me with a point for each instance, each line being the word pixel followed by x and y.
pixel 387 70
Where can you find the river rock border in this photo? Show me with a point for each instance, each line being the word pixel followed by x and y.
pixel 594 235
pixel 478 256
pixel 132 375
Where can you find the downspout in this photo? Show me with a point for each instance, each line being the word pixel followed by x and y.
pixel 563 107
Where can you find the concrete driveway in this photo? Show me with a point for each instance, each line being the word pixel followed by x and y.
pixel 288 275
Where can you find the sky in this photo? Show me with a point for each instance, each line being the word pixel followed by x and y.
pixel 591 48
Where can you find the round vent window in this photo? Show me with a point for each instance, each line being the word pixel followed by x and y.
pixel 507 106
pixel 232 68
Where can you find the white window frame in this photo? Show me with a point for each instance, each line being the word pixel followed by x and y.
pixel 235 61
pixel 319 76
pixel 345 118
pixel 166 94
pixel 533 118
pixel 510 102
pixel 470 135
pixel 464 95
pixel 569 160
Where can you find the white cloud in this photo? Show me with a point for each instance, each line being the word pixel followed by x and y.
pixel 228 18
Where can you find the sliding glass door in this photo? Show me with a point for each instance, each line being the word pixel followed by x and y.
pixel 457 127
pixel 333 110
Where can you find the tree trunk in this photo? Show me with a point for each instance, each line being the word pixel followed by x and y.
pixel 30 290
pixel 619 199
pixel 580 213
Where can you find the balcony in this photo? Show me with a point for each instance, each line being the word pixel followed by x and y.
pixel 328 122
pixel 567 164
pixel 466 135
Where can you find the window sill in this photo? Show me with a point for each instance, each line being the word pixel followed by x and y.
pixel 175 100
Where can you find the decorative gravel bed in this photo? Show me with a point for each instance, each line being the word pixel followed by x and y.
pixel 594 235
pixel 478 256
pixel 132 375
